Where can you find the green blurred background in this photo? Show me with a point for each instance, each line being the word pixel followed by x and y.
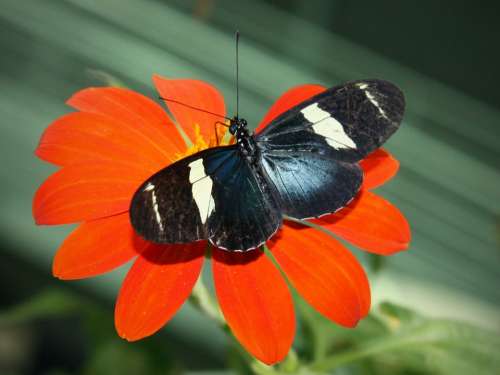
pixel 444 55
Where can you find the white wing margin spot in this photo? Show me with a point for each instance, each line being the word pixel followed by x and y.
pixel 371 98
pixel 201 185
pixel 328 127
pixel 151 188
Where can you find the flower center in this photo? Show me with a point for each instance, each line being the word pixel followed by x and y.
pixel 200 144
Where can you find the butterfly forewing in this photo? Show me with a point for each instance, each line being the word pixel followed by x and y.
pixel 347 122
pixel 174 204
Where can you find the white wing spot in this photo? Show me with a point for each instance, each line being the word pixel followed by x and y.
pixel 149 187
pixel 371 98
pixel 328 127
pixel 155 206
pixel 201 189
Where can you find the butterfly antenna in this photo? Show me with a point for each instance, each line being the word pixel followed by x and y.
pixel 190 106
pixel 237 74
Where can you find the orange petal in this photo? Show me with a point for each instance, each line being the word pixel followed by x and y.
pixel 133 109
pixel 378 167
pixel 86 137
pixel 86 192
pixel 324 272
pixel 156 286
pixel 197 94
pixel 96 247
pixel 371 223
pixel 256 303
pixel 288 100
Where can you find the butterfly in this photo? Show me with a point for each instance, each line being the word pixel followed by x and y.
pixel 303 164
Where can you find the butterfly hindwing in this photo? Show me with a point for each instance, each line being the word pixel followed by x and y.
pixel 311 184
pixel 247 213
pixel 347 122
pixel 213 195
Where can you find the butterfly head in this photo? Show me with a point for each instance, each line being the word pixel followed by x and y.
pixel 237 125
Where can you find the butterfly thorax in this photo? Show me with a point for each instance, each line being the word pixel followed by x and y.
pixel 244 140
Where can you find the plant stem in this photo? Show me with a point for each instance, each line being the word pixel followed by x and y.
pixel 203 301
pixel 380 346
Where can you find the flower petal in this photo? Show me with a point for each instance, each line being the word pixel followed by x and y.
pixel 289 99
pixel 96 247
pixel 256 303
pixel 156 286
pixel 86 192
pixel 133 109
pixel 88 137
pixel 324 272
pixel 197 94
pixel 371 223
pixel 378 167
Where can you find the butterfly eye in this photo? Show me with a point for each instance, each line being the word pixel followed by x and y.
pixel 233 127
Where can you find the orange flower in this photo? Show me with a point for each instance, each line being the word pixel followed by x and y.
pixel 117 139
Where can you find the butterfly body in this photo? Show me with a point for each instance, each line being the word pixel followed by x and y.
pixel 303 164
pixel 244 140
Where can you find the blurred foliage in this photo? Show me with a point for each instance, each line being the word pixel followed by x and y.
pixel 397 340
pixel 46 304
pixel 106 353
pixel 392 340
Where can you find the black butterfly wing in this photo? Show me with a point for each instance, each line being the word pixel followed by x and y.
pixel 309 153
pixel 346 122
pixel 213 195
pixel 248 214
pixel 311 184
pixel 173 205
pixel 306 168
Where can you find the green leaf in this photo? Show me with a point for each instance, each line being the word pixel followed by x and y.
pixel 437 346
pixel 119 357
pixel 47 303
pixel 376 262
pixel 321 336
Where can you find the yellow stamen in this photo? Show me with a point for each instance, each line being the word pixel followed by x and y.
pixel 200 143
